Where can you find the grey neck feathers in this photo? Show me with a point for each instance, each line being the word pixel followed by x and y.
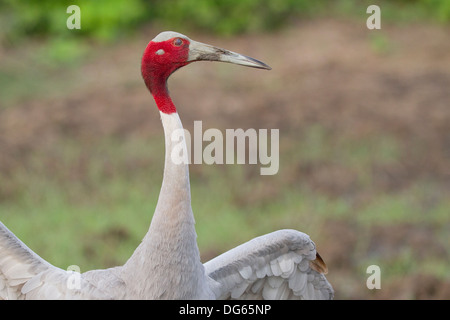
pixel 167 262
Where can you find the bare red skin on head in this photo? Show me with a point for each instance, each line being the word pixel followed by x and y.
pixel 156 69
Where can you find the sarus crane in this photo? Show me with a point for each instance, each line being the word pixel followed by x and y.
pixel 166 264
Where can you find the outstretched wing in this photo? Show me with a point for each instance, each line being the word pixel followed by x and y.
pixel 25 275
pixel 280 265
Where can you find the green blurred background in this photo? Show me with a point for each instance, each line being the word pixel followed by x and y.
pixel 363 115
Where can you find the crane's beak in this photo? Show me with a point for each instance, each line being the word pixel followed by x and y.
pixel 204 52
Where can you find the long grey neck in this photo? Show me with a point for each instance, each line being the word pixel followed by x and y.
pixel 173 210
pixel 166 265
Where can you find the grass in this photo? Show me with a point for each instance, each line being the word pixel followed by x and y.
pixel 82 211
pixel 98 208
pixel 36 59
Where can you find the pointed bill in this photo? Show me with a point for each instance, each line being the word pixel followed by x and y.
pixel 204 52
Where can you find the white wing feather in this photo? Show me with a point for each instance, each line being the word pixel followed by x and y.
pixel 274 266
pixel 25 275
pixel 271 267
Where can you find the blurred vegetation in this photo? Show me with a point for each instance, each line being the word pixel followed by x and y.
pixel 106 20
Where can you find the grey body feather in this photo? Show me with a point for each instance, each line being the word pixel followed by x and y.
pixel 166 265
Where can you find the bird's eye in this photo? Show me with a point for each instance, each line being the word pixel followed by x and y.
pixel 177 42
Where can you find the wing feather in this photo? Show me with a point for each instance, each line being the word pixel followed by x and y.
pixel 279 265
pixel 25 275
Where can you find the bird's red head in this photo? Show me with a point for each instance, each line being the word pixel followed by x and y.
pixel 161 58
pixel 170 51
